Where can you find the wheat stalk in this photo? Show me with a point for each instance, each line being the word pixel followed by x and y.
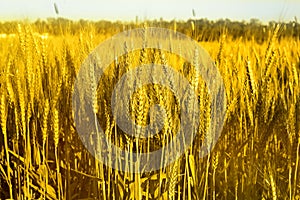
pixel 3 118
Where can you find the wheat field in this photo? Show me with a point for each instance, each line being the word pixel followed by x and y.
pixel 42 156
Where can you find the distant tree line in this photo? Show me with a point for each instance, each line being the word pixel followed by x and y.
pixel 199 29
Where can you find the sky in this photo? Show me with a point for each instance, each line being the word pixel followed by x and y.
pixel 265 10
